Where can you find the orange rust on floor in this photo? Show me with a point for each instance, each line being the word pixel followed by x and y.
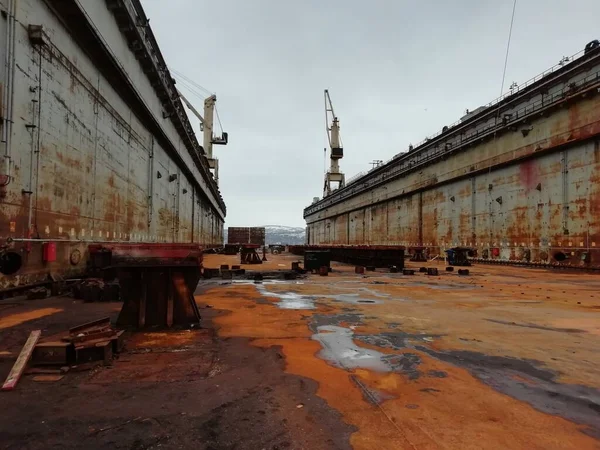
pixel 11 320
pixel 543 322
pixel 273 262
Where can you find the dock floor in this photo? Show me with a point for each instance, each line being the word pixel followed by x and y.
pixel 502 358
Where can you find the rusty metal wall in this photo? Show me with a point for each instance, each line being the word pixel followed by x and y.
pixel 83 162
pixel 530 193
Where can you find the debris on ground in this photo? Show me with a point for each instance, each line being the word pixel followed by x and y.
pixel 37 293
pixel 19 367
pixel 47 378
pixel 93 341
pixel 94 290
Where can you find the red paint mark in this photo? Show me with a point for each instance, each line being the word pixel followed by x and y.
pixel 528 174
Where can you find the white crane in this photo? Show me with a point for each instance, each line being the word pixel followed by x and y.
pixel 206 126
pixel 335 148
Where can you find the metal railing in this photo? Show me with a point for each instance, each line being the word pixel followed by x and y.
pixel 504 96
pixel 420 160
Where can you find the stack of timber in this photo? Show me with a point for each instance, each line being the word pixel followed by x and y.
pixel 90 342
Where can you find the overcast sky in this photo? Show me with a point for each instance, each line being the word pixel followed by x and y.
pixel 397 71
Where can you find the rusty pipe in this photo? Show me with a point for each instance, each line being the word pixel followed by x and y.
pixel 6 73
pixel 36 105
pixel 5 94
pixel 9 91
pixel 13 63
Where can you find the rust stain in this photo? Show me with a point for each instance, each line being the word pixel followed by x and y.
pixel 68 161
pixel 421 412
pixel 19 318
pixel 528 174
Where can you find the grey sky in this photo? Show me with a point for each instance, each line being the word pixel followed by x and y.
pixel 397 72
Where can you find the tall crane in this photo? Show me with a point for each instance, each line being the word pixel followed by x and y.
pixel 206 126
pixel 336 151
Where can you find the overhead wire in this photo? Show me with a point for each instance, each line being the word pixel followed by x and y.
pixel 219 119
pixel 512 21
pixel 190 85
pixel 189 80
pixel 510 30
pixel 192 90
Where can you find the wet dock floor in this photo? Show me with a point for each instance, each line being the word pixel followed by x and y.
pixel 483 361
pixel 504 358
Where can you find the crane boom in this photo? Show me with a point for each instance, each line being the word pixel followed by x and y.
pixel 191 107
pixel 336 150
pixel 206 126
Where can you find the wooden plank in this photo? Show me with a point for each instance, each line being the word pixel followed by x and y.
pixel 48 378
pixel 21 362
pixel 104 322
pixel 119 342
pixel 86 332
pixel 93 336
pixel 100 342
pixel 46 371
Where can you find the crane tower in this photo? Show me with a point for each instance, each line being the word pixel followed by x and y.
pixel 336 150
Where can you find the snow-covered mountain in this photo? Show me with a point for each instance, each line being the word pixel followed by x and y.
pixel 279 234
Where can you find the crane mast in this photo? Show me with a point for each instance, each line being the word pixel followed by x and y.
pixel 336 150
pixel 207 126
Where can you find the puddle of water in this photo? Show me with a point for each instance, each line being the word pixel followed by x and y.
pixel 341 351
pixel 288 300
pixel 292 300
pixel 367 290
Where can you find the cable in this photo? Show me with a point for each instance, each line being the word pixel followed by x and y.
pixel 218 119
pixel 189 80
pixel 512 21
pixel 192 90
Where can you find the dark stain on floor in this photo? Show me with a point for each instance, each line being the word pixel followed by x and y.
pixel 526 381
pixel 537 327
pixel 396 340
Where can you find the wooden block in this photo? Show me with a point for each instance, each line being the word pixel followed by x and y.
pixel 100 342
pixel 48 378
pixel 19 366
pixel 96 351
pixel 52 353
pixel 118 342
pixel 93 336
pixel 42 371
pixel 104 322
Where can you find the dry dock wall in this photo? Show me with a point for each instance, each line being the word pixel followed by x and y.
pixel 518 181
pixel 99 149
